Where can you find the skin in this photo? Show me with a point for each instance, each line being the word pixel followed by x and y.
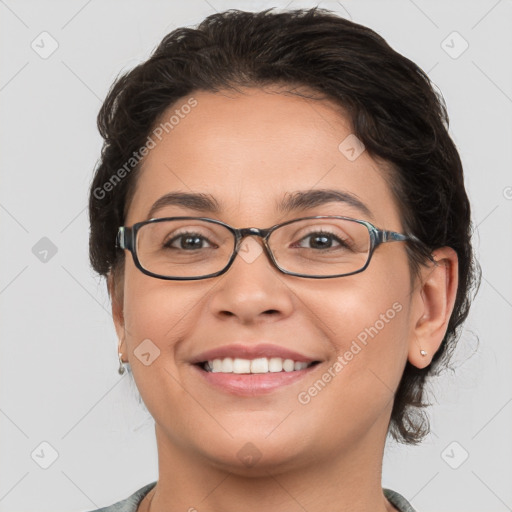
pixel 249 150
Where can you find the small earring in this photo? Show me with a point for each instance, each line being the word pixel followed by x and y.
pixel 121 369
pixel 423 353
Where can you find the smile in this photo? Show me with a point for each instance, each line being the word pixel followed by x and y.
pixel 258 365
pixel 245 377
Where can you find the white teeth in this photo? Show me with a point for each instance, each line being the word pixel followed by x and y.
pixel 227 365
pixel 216 365
pixel 259 365
pixel 275 364
pixel 241 365
pixel 288 365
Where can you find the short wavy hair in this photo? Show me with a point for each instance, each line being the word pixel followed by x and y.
pixel 390 102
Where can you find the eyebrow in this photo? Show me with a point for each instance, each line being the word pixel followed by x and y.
pixel 203 203
pixel 304 200
pixel 296 201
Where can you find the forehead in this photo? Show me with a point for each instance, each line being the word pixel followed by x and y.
pixel 249 150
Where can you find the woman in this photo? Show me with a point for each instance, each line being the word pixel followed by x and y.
pixel 256 168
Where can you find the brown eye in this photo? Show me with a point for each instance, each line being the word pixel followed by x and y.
pixel 322 240
pixel 187 241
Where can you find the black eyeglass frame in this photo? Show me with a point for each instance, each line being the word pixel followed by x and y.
pixel 127 236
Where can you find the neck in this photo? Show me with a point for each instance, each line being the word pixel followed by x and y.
pixel 348 481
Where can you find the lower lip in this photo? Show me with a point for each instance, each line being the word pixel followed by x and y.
pixel 250 384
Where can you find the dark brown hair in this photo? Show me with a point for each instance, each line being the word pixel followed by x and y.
pixel 391 103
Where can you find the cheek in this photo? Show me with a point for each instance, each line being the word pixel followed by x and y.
pixel 158 310
pixel 365 319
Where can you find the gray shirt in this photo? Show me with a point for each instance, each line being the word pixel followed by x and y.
pixel 131 503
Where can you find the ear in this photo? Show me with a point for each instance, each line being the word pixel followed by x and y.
pixel 116 297
pixel 434 300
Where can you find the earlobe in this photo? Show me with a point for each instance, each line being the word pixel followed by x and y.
pixel 432 306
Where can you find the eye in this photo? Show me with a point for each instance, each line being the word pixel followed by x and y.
pixel 323 240
pixel 187 241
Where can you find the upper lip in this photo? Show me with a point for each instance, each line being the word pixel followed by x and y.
pixel 242 351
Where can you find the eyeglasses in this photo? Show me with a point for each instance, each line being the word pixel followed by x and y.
pixel 191 248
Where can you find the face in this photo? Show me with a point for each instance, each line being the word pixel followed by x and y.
pixel 250 152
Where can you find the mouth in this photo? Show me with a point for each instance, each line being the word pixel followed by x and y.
pixel 252 377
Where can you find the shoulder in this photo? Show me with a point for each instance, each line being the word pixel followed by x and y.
pixel 129 504
pixel 398 501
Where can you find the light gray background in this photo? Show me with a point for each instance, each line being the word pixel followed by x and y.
pixel 58 366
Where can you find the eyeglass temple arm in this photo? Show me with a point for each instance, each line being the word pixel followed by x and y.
pixel 382 236
pixel 392 236
pixel 124 238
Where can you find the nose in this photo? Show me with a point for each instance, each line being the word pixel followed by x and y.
pixel 252 290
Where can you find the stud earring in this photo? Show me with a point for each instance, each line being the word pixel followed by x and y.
pixel 423 353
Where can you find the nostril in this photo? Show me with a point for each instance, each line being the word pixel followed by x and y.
pixel 227 313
